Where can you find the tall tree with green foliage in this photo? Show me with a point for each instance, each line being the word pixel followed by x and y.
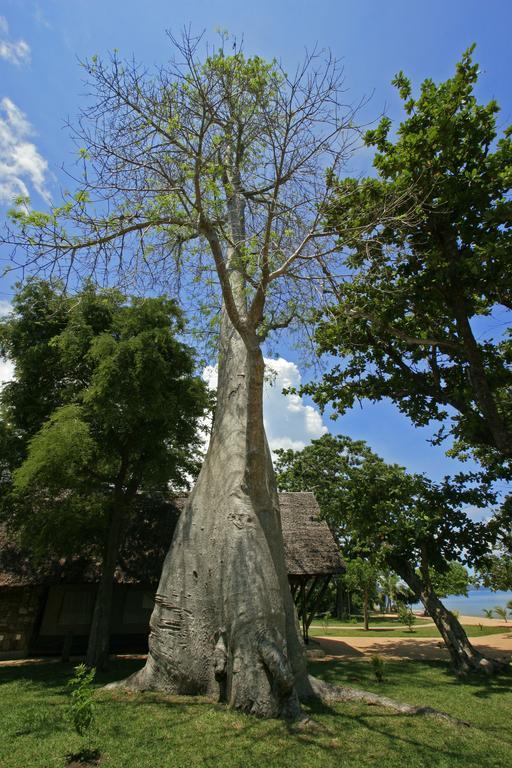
pixel 117 413
pixel 209 173
pixel 414 526
pixel 429 239
pixel 361 577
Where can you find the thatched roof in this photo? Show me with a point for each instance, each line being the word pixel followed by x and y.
pixel 309 547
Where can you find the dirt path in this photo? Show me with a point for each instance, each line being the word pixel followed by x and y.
pixel 423 648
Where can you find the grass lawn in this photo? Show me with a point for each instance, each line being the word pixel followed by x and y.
pixel 400 631
pixel 375 619
pixel 154 731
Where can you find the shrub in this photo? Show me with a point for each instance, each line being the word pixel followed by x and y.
pixel 81 710
pixel 406 616
pixel 378 665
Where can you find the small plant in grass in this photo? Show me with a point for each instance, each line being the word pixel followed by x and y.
pixel 378 666
pixel 81 713
pixel 325 620
pixel 406 616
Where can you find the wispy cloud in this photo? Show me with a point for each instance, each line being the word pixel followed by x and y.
pixel 14 51
pixel 20 160
pixel 40 18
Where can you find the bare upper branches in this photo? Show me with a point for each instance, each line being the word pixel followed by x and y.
pixel 222 158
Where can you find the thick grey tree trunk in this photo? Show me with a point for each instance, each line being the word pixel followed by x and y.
pixel 224 623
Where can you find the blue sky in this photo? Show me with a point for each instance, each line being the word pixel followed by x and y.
pixel 41 87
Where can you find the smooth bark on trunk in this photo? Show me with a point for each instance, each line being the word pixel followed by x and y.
pixel 99 632
pixel 464 656
pixel 224 622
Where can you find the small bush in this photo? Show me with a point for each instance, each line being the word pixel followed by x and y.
pixel 378 665
pixel 81 710
pixel 406 616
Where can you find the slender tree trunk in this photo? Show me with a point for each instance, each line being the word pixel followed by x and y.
pixel 340 599
pixel 365 610
pixel 224 622
pixel 465 658
pixel 99 632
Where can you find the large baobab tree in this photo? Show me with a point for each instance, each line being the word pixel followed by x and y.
pixel 212 172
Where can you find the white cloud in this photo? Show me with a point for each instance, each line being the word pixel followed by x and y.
pixel 289 422
pixel 6 367
pixel 5 307
pixel 6 372
pixel 20 160
pixel 14 51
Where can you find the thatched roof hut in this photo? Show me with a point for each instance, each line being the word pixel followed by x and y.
pixel 309 547
pixel 311 556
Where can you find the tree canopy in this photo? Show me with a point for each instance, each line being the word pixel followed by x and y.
pixel 106 394
pixel 375 505
pixel 418 528
pixel 429 241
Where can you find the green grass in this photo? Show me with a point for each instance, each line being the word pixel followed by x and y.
pixel 401 631
pixel 154 731
pixel 376 619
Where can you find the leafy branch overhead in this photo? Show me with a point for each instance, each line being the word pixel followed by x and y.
pixel 430 265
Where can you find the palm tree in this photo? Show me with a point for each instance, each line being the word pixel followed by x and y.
pixel 488 613
pixel 501 613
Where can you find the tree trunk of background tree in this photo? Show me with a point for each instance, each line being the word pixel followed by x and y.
pixel 99 632
pixel 365 610
pixel 224 623
pixel 464 656
pixel 341 602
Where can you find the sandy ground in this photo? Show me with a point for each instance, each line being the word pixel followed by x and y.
pixel 423 648
pixel 427 648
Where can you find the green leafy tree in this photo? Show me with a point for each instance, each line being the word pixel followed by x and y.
pixel 361 577
pixel 389 589
pixel 209 174
pixel 126 415
pixel 414 526
pixel 455 580
pixel 406 616
pixel 429 241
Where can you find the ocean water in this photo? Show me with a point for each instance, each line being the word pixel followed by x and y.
pixel 476 601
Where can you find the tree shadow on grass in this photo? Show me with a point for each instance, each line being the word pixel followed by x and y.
pixel 178 718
